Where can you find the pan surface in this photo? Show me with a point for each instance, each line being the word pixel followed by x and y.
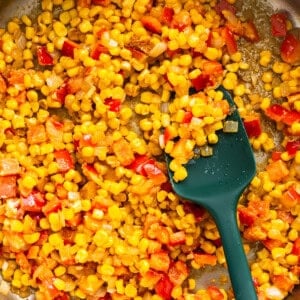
pixel 11 8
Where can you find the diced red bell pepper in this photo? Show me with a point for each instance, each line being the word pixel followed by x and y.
pixel 283 282
pixel 292 147
pixel 278 113
pixel 291 197
pixel 3 85
pixel 51 206
pixel 164 287
pixel 97 50
pixel 197 210
pixel 44 57
pixel 212 67
pixel 181 20
pixel 138 163
pixel 160 261
pixel 215 293
pixel 277 170
pixel 224 5
pixel 33 202
pixel 36 134
pixel 151 23
pixel 167 15
pixel 137 54
pixel 296 247
pixel 64 160
pixel 250 32
pixel 276 155
pixel 101 2
pixel 188 115
pixel 202 81
pixel 279 24
pixel 84 3
pixel 246 216
pixel 177 238
pixel 61 93
pixel 113 104
pixel 271 243
pixel 229 40
pixel 253 127
pixel 9 166
pixel 205 259
pixel 178 272
pixel 8 186
pixel 68 48
pixel 290 48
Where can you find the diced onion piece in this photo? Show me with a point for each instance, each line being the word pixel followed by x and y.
pixel 231 126
pixel 4 288
pixel 206 151
pixel 274 293
pixel 158 49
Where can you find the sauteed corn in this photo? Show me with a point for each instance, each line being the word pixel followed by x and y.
pixel 93 92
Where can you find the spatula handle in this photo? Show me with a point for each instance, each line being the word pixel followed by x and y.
pixel 238 267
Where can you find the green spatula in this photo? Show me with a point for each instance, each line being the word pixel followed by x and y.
pixel 216 183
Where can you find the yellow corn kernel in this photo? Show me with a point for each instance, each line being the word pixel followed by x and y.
pixel 106 269
pixel 31 238
pixel 180 173
pixel 55 221
pixel 212 53
pixel 16 225
pixel 81 256
pixel 130 290
pixel 29 181
pixel 59 284
pixel 68 4
pixel 60 29
pixel 85 26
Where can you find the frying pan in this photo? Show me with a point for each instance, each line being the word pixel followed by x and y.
pixel 11 8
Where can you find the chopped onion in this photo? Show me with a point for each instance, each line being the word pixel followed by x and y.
pixel 158 49
pixel 4 288
pixel 161 141
pixel 54 81
pixel 206 151
pixel 73 196
pixel 230 126
pixel 274 293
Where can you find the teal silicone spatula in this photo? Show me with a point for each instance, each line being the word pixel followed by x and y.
pixel 216 183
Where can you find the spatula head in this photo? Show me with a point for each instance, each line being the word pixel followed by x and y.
pixel 227 172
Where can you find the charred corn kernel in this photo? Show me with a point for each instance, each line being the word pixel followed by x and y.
pixel 60 29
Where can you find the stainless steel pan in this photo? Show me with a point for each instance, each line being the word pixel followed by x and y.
pixel 11 8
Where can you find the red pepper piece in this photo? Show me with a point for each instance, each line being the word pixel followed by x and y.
pixel 113 104
pixel 44 57
pixel 247 216
pixel 296 247
pixel 68 48
pixel 167 15
pixel 61 93
pixel 160 261
pixel 215 293
pixel 97 50
pixel 64 160
pixel 51 206
pixel 177 238
pixel 278 24
pixel 276 155
pixel 196 210
pixel 290 49
pixel 292 147
pixel 34 202
pixel 280 114
pixel 230 41
pixel 151 23
pixel 8 186
pixel 202 81
pixel 187 117
pixel 178 273
pixel 253 127
pixel 101 2
pixel 224 5
pixel 164 287
pixel 250 32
